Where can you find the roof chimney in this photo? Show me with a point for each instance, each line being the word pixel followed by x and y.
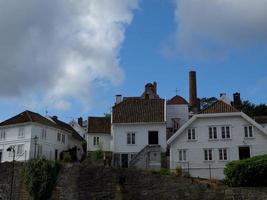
pixel 118 99
pixel 80 121
pixel 54 117
pixel 155 86
pixel 193 102
pixel 237 101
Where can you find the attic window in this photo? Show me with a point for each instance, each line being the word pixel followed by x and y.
pixel 249 132
pixel 191 134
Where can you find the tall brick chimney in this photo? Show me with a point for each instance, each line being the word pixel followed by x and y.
pixel 193 101
pixel 237 101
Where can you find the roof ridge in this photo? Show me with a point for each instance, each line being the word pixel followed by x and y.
pixel 217 102
pixel 28 115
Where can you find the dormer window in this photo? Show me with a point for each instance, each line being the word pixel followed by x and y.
pixel 191 134
pixel 248 131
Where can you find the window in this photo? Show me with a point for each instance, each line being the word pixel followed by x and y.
pixel 182 155
pixel 130 138
pixel 43 133
pixel 58 136
pixel 96 141
pixel 248 130
pixel 226 132
pixel 191 134
pixel 223 154
pixel 20 149
pixel 63 138
pixel 2 134
pixel 213 133
pixel 21 132
pixel 208 155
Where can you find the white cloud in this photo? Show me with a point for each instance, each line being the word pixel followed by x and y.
pixel 59 50
pixel 207 28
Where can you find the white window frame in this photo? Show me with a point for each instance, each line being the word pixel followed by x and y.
pixel 131 138
pixel 223 154
pixel 209 154
pixel 182 155
pixel 44 133
pixel 2 134
pixel 212 132
pixel 248 131
pixel 191 134
pixel 226 133
pixel 58 136
pixel 63 138
pixel 21 132
pixel 96 140
pixel 20 149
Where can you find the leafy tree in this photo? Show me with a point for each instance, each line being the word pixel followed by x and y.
pixel 254 110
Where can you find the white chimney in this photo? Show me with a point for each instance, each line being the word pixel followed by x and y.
pixel 223 97
pixel 118 99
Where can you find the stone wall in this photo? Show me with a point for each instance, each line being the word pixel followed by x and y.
pixel 85 182
pixel 96 182
pixel 18 191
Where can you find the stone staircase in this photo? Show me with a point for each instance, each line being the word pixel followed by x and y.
pixel 149 157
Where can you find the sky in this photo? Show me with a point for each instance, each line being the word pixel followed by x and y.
pixel 70 58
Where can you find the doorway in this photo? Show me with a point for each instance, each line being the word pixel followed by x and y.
pixel 153 137
pixel 244 152
pixel 124 160
pixel 0 156
pixel 56 153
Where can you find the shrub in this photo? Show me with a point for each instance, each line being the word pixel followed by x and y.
pixel 178 171
pixel 161 171
pixel 247 173
pixel 40 177
pixel 66 157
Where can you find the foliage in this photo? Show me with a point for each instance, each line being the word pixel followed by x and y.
pixel 254 110
pixel 249 172
pixel 66 157
pixel 178 171
pixel 161 171
pixel 40 177
pixel 98 154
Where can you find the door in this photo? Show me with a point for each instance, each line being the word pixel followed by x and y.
pixel 0 156
pixel 153 137
pixel 124 160
pixel 56 152
pixel 244 152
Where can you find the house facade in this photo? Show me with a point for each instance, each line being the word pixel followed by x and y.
pixel 216 136
pixel 138 130
pixel 33 135
pixel 99 133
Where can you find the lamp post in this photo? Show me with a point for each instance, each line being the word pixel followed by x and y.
pixel 12 149
pixel 35 144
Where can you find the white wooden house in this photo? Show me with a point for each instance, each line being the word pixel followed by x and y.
pixel 99 133
pixel 138 130
pixel 216 136
pixel 33 135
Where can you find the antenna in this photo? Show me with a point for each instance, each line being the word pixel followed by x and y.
pixel 176 91
pixel 46 113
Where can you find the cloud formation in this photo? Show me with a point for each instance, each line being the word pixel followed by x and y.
pixel 55 50
pixel 207 28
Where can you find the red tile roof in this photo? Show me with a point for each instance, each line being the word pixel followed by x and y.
pixel 99 125
pixel 177 100
pixel 138 111
pixel 27 116
pixel 219 107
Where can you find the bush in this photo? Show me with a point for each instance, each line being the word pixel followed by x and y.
pixel 178 171
pixel 161 171
pixel 40 177
pixel 66 157
pixel 250 172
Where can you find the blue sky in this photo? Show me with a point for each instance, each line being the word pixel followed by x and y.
pixel 160 41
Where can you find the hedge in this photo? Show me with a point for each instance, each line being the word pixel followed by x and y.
pixel 251 172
